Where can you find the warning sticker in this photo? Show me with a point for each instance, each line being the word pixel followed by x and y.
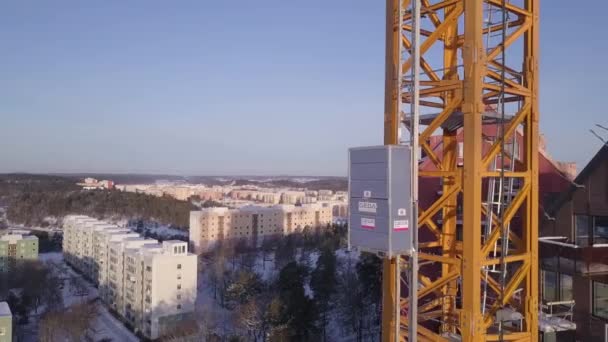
pixel 368 223
pixel 401 225
pixel 368 207
pixel 401 212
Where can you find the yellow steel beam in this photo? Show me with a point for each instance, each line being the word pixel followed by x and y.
pixel 531 50
pixel 508 215
pixel 436 174
pixel 509 83
pixel 392 99
pixel 508 90
pixel 426 67
pixel 438 283
pixel 432 8
pixel 431 13
pixel 507 259
pixel 436 34
pixel 436 123
pixel 439 258
pixel 513 284
pixel 496 225
pixel 495 286
pixel 509 131
pixel 510 39
pixel 512 8
pixel 471 322
pixel 464 260
pixel 431 154
pixel 424 334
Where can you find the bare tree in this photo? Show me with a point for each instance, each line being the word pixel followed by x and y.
pixel 68 325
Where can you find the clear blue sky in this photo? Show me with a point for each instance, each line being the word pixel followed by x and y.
pixel 238 87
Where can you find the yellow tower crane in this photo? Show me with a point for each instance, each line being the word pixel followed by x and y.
pixel 478 278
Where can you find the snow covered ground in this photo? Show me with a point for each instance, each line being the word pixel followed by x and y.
pixel 105 325
pixel 159 230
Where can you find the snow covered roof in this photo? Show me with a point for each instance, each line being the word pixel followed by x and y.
pixel 13 238
pixel 4 309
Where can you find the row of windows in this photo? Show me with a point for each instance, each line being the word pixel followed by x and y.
pixel 179 249
pixel 590 230
pixel 600 299
pixel 558 287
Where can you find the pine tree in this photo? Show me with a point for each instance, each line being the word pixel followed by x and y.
pixel 299 311
pixel 323 283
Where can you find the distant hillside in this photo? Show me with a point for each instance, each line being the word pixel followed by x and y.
pixel 33 198
pixel 17 183
pixel 126 178
pixel 334 183
pixel 314 183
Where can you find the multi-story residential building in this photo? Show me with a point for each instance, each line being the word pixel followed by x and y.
pixel 292 197
pixel 309 200
pixel 15 247
pixel 210 195
pixel 115 293
pixel 325 193
pixel 253 223
pixel 152 285
pixel 574 252
pixel 6 323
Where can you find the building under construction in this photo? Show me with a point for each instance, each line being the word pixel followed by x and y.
pixel 574 255
pixel 468 71
pixel 462 79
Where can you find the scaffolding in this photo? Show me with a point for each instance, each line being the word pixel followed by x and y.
pixel 478 85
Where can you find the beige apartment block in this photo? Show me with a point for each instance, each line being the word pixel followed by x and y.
pixel 292 197
pixel 253 223
pixel 150 284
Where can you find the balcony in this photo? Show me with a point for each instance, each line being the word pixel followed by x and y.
pixel 558 253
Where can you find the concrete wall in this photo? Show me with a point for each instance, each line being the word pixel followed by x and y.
pixel 6 326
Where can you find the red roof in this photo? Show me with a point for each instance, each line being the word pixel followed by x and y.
pixel 553 177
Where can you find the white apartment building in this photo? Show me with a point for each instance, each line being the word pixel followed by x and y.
pixel 253 223
pixel 152 285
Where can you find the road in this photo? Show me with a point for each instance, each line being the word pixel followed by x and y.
pixel 106 326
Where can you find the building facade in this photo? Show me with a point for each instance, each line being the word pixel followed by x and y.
pixel 152 285
pixel 574 251
pixel 208 226
pixel 6 323
pixel 15 247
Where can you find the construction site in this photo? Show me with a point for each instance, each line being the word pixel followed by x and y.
pixel 502 242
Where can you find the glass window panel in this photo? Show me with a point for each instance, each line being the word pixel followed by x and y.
pixel 565 287
pixel 549 286
pixel 600 230
pixel 582 230
pixel 549 261
pixel 566 265
pixel 600 299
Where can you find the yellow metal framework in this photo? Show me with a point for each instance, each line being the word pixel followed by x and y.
pixel 464 77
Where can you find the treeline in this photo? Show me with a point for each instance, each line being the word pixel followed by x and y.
pixel 17 183
pixel 33 207
pixel 31 199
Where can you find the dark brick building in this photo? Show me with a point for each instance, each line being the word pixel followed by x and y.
pixel 574 251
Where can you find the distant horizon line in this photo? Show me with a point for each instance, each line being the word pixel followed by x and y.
pixel 165 174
